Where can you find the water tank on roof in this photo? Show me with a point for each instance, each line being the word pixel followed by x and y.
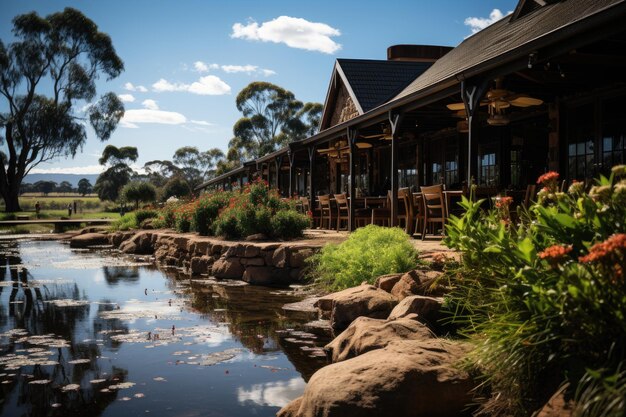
pixel 416 53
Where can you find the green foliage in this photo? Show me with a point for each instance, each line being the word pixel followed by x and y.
pixel 139 191
pixel 207 210
pixel 289 224
pixel 544 300
pixel 175 187
pixel 369 252
pixel 126 222
pixel 142 215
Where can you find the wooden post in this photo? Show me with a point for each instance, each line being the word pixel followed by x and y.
pixel 278 161
pixel 292 157
pixel 352 134
pixel 472 93
pixel 395 119
pixel 311 175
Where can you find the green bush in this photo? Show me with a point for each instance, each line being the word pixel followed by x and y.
pixel 543 300
pixel 142 215
pixel 226 225
pixel 289 224
pixel 369 252
pixel 126 222
pixel 207 210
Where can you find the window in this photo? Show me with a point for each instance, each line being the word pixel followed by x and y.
pixel 580 147
pixel 488 169
pixel 451 166
pixel 613 134
pixel 516 167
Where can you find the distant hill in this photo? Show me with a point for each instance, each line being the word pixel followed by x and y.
pixel 59 178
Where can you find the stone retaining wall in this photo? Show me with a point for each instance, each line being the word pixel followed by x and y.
pixel 261 263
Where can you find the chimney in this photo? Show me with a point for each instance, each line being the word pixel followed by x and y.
pixel 416 53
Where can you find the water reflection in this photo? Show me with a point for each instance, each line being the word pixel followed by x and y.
pixel 275 394
pixel 107 336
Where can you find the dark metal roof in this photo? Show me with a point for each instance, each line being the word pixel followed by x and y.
pixel 374 82
pixel 491 44
pixel 222 177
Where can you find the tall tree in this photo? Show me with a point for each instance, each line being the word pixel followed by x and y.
pixel 139 191
pixel 45 187
pixel 118 173
pixel 196 166
pixel 52 66
pixel 65 187
pixel 84 187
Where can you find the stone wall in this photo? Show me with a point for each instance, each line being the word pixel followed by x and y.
pixel 261 263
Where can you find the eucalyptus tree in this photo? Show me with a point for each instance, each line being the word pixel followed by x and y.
pixel 118 173
pixel 84 187
pixel 45 75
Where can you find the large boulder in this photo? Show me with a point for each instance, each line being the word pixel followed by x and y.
pixel 386 282
pixel 265 275
pixel 364 300
pixel 140 244
pixel 227 268
pixel 88 239
pixel 366 334
pixel 416 282
pixel 407 378
pixel 426 308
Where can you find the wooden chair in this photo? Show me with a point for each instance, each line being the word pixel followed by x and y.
pixel 343 210
pixel 434 207
pixel 530 194
pixel 418 212
pixel 405 209
pixel 382 215
pixel 326 213
pixel 306 208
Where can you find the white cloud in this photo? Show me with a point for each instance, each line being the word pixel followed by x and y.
pixel 84 170
pixel 477 24
pixel 134 116
pixel 126 98
pixel 274 394
pixel 292 31
pixel 200 66
pixel 239 68
pixel 131 87
pixel 150 104
pixel 208 85
pixel 268 72
pixel 201 123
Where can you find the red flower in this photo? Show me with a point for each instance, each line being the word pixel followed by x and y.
pixel 612 248
pixel 555 254
pixel 504 202
pixel 548 178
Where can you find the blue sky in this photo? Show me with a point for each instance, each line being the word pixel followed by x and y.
pixel 185 61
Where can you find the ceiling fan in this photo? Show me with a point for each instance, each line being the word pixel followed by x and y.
pixel 499 99
pixel 386 135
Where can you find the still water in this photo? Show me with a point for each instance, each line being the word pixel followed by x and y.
pixel 94 333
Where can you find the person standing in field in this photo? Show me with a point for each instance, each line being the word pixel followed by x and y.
pixel 37 209
pixel 69 210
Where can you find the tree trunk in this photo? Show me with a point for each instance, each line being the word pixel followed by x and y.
pixel 11 200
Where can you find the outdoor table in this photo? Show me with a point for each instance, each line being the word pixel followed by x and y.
pixel 449 195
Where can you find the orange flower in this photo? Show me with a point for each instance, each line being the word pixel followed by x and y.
pixel 504 202
pixel 555 254
pixel 548 177
pixel 613 247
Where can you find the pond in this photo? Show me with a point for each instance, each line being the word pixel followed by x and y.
pixel 87 333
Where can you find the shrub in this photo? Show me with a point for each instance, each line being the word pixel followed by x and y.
pixel 543 300
pixel 142 215
pixel 369 252
pixel 226 225
pixel 183 215
pixel 289 224
pixel 126 222
pixel 207 210
pixel 139 191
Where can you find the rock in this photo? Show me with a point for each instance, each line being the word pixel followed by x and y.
pixel 304 309
pixel 253 261
pixel 366 334
pixel 298 257
pixel 416 282
pixel 319 328
pixel 426 308
pixel 364 300
pixel 407 378
pixel 200 264
pixel 265 275
pixel 93 229
pixel 386 282
pixel 88 239
pixel 256 237
pixel 139 244
pixel 227 268
pixel 280 258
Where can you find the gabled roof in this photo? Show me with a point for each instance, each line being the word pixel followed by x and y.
pixel 369 82
pixel 491 46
